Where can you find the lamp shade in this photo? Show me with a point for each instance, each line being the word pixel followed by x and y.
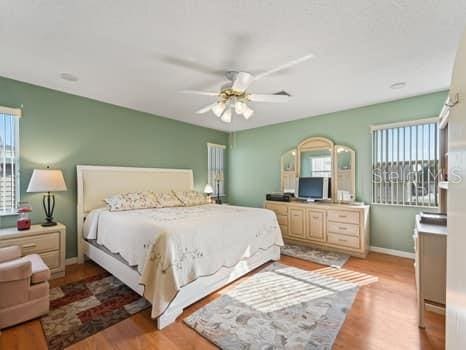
pixel 208 189
pixel 46 180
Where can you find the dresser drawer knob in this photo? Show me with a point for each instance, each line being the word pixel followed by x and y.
pixel 342 228
pixel 341 240
pixel 315 217
pixel 342 216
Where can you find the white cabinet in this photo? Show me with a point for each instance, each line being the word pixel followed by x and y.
pixel 316 224
pixel 48 242
pixel 296 222
pixel 430 243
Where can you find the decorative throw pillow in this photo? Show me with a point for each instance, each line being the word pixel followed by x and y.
pixel 191 198
pixel 134 200
pixel 167 200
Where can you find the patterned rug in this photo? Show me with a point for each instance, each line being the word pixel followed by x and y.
pixel 318 256
pixel 80 309
pixel 280 307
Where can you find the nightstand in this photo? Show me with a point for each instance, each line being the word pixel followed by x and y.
pixel 48 242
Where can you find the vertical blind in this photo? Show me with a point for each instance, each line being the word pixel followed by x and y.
pixel 405 164
pixel 9 159
pixel 215 165
pixel 321 166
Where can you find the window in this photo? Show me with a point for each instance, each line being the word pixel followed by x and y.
pixel 215 167
pixel 9 159
pixel 405 163
pixel 321 166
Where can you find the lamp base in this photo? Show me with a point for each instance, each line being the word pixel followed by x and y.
pixel 48 202
pixel 48 223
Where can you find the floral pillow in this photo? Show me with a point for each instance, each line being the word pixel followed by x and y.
pixel 191 198
pixel 129 201
pixel 167 200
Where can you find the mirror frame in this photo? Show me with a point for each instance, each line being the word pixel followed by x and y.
pixel 353 169
pixel 316 143
pixel 312 144
pixel 282 171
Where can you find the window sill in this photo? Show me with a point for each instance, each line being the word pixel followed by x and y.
pixel 404 205
pixel 8 213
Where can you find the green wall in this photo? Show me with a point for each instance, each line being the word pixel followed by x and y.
pixel 254 159
pixel 63 130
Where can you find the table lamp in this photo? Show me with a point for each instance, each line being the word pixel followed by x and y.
pixel 47 180
pixel 208 190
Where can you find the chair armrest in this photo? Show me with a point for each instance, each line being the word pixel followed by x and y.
pixel 15 270
pixel 10 253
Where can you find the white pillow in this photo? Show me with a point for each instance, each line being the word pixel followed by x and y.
pixel 191 198
pixel 129 201
pixel 167 200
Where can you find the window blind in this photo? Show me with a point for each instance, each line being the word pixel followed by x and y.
pixel 9 159
pixel 405 163
pixel 215 164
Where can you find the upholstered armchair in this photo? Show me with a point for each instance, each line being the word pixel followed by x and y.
pixel 24 287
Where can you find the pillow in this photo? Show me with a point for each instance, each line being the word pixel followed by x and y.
pixel 129 201
pixel 167 200
pixel 190 198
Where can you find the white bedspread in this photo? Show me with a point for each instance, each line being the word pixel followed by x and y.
pixel 172 247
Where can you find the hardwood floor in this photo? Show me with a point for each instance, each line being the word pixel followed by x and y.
pixel 383 316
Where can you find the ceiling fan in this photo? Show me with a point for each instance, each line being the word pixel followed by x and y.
pixel 234 95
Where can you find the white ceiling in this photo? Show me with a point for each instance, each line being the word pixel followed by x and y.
pixel 139 54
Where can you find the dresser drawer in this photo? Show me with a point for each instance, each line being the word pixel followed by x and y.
pixel 282 219
pixel 346 229
pixel 284 230
pixel 35 244
pixel 350 217
pixel 277 208
pixel 52 259
pixel 343 240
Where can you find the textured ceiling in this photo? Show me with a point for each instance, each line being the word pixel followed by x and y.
pixel 139 54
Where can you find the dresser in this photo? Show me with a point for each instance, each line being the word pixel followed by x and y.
pixel 430 244
pixel 339 227
pixel 48 242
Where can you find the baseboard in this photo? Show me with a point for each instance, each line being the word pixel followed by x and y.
pixel 71 261
pixel 394 252
pixel 435 308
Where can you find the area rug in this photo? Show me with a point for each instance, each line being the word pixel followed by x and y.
pixel 80 309
pixel 280 307
pixel 318 256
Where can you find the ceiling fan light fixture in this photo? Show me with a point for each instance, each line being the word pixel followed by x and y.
pixel 218 108
pixel 240 107
pixel 226 116
pixel 247 113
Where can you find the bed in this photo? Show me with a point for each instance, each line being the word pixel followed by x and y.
pixel 171 256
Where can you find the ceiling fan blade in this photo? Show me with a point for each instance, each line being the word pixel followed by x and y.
pixel 284 66
pixel 242 81
pixel 278 98
pixel 197 92
pixel 206 108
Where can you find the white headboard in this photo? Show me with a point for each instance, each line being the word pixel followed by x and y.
pixel 95 183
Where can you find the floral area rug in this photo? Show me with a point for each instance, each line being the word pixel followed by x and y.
pixel 80 309
pixel 318 256
pixel 280 307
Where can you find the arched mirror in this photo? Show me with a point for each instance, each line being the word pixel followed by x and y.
pixel 326 170
pixel 345 173
pixel 288 171
pixel 315 160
